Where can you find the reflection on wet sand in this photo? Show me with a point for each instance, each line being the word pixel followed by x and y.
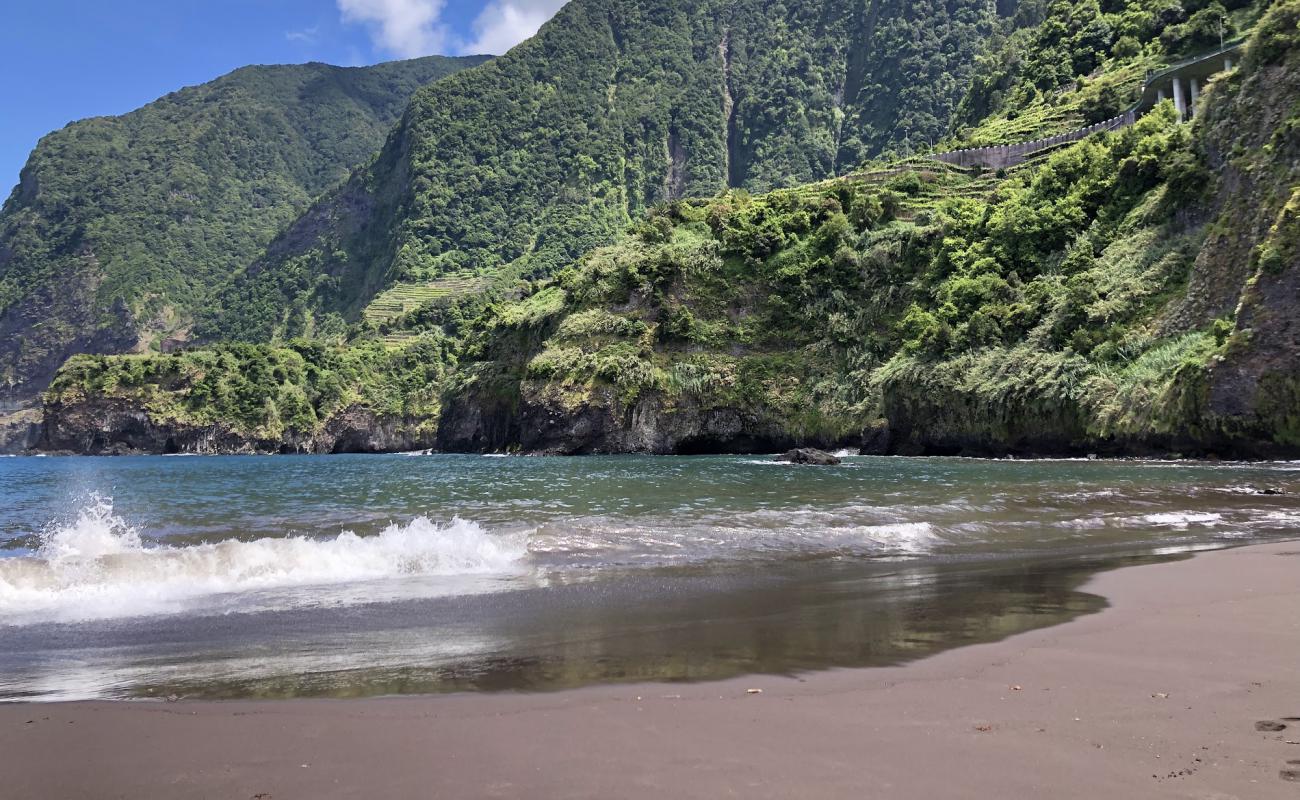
pixel 663 628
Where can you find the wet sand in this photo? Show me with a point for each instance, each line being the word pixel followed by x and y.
pixel 1187 686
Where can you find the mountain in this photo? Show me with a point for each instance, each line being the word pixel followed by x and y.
pixel 121 227
pixel 1135 292
pixel 516 169
pixel 1129 289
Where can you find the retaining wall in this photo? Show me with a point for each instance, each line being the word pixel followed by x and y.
pixel 1009 155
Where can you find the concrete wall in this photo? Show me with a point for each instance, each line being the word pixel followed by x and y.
pixel 1009 155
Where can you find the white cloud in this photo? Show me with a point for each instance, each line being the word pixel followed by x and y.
pixel 406 28
pixel 306 35
pixel 502 24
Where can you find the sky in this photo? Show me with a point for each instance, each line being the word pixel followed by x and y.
pixel 64 60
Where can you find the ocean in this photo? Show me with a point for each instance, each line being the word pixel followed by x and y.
pixel 342 576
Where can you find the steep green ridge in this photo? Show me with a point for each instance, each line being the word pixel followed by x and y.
pixel 122 226
pixel 516 169
pixel 1114 297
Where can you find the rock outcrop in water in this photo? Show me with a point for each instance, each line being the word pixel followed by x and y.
pixel 810 457
pixel 20 430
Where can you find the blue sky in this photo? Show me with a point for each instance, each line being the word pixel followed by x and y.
pixel 63 60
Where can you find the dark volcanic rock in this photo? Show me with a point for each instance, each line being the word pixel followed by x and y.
pixel 20 429
pixel 807 455
pixel 118 427
pixel 542 421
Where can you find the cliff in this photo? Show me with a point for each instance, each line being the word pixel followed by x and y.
pixel 303 397
pixel 1134 293
pixel 518 168
pixel 1130 293
pixel 122 227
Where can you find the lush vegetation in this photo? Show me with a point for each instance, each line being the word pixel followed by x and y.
pixel 1058 65
pixel 263 392
pixel 819 307
pixel 517 169
pixel 1087 301
pixel 1135 291
pixel 122 226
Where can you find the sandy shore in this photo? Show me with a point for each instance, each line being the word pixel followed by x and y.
pixel 1187 686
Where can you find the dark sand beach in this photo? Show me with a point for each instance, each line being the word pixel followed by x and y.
pixel 1186 686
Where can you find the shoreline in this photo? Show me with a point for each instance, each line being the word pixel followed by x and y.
pixel 1158 695
pixel 1173 458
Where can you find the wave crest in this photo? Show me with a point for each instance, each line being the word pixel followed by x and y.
pixel 99 567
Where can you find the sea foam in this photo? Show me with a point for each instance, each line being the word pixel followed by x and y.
pixel 100 567
pixel 1182 520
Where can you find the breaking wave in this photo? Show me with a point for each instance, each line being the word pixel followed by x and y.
pixel 99 567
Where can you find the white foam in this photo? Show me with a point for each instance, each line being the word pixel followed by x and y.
pixel 99 567
pixel 1085 523
pixel 1286 517
pixel 906 537
pixel 1181 520
pixel 1092 495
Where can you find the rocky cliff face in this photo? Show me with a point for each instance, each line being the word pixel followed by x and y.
pixel 20 430
pixel 1251 131
pixel 546 422
pixel 110 426
pixel 1134 294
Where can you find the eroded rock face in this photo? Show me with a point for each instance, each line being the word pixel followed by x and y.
pixel 20 430
pixel 544 422
pixel 115 427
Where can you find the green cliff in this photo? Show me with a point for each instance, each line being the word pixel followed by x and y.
pixel 516 169
pixel 122 227
pixel 1135 292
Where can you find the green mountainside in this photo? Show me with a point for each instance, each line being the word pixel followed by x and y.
pixel 1134 292
pixel 516 169
pixel 121 227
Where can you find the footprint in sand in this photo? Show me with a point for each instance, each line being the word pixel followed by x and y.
pixel 1292 771
pixel 1270 726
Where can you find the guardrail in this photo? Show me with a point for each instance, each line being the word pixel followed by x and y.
pixel 1156 75
pixel 1002 156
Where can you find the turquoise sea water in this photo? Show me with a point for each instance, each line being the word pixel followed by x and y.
pixel 363 575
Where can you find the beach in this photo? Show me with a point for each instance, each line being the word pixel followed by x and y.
pixel 1186 685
